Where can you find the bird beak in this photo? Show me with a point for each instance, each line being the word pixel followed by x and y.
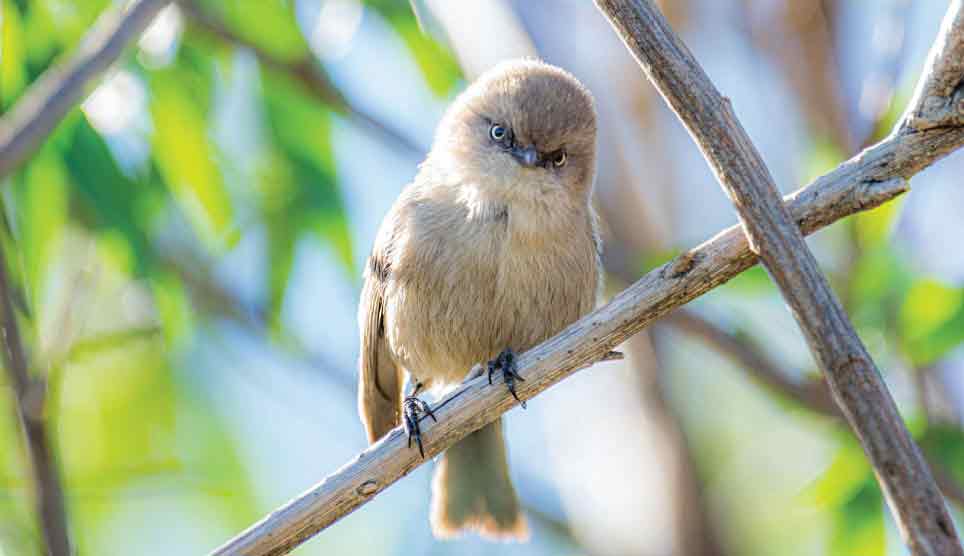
pixel 527 156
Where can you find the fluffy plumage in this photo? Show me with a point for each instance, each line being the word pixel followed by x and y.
pixel 478 254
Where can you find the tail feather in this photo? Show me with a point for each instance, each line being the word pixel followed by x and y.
pixel 471 490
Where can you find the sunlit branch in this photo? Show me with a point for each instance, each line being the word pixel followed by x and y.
pixel 29 399
pixel 48 100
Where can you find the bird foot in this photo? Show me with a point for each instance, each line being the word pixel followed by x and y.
pixel 413 409
pixel 506 362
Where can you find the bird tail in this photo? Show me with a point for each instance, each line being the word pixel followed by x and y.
pixel 472 491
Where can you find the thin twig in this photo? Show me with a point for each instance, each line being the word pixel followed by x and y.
pixel 29 400
pixel 305 71
pixel 43 106
pixel 853 377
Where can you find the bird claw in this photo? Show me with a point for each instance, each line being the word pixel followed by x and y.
pixel 412 409
pixel 506 362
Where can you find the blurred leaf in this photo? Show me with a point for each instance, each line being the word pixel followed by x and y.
pixel 270 24
pixel 878 284
pixel 117 426
pixel 70 19
pixel 843 480
pixel 946 442
pixel 13 74
pixel 185 156
pixel 42 41
pixel 753 281
pixel 858 525
pixel 874 226
pixel 931 320
pixel 824 156
pixel 173 307
pixel 298 186
pixel 435 60
pixel 650 261
pixel 848 489
pixel 42 203
pixel 109 200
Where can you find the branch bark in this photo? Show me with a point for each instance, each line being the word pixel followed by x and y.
pixel 29 400
pixel 863 182
pixel 854 378
pixel 939 97
pixel 45 103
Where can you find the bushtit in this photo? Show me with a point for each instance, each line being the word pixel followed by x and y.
pixel 491 250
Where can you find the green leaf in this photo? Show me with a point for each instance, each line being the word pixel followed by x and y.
pixel 843 480
pixel 879 282
pixel 298 186
pixel 858 525
pixel 108 200
pixel 185 156
pixel 931 320
pixel 945 442
pixel 173 307
pixel 754 280
pixel 823 157
pixel 13 74
pixel 71 19
pixel 874 226
pixel 436 61
pixel 43 205
pixel 270 24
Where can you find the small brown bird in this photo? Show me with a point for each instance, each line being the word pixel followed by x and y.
pixel 491 250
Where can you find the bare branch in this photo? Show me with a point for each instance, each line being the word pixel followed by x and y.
pixel 871 178
pixel 30 397
pixel 854 379
pixel 864 182
pixel 939 97
pixel 308 73
pixel 44 105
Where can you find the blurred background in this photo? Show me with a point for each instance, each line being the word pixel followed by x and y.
pixel 185 254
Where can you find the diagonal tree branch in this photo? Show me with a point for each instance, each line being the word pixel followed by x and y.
pixel 851 373
pixel 866 181
pixel 939 97
pixel 29 400
pixel 45 103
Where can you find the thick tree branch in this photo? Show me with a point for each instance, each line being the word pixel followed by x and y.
pixel 851 373
pixel 866 181
pixel 29 400
pixel 46 102
pixel 939 98
pixel 871 178
pixel 307 73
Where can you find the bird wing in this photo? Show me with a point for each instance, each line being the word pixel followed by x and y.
pixel 379 377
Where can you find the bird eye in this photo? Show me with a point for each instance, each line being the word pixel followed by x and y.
pixel 560 159
pixel 497 132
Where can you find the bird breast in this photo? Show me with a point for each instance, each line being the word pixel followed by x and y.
pixel 467 285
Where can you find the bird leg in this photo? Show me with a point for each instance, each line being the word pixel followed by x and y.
pixel 412 409
pixel 506 362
